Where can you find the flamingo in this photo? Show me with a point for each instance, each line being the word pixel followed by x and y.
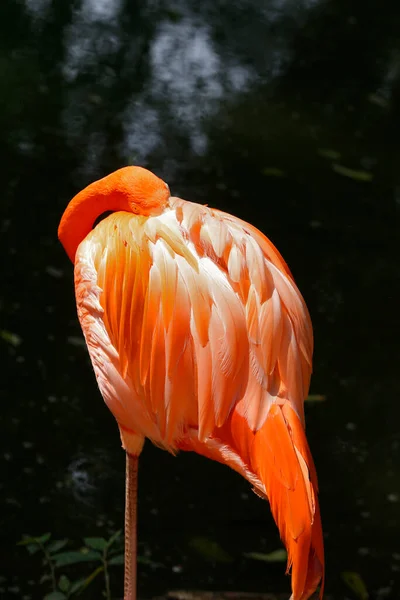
pixel 200 341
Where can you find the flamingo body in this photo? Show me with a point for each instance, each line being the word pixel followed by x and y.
pixel 200 340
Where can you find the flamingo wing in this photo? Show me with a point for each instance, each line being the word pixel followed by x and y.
pixel 266 426
pixel 200 340
pixel 164 329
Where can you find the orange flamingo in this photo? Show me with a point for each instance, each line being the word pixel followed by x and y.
pixel 200 340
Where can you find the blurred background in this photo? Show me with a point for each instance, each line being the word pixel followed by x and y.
pixel 285 113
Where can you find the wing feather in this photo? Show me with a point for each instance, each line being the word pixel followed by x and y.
pixel 201 340
pixel 157 370
pixel 149 321
pixel 200 299
pixel 198 284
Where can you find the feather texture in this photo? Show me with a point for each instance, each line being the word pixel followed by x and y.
pixel 200 340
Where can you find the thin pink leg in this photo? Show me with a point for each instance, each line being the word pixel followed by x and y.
pixel 131 488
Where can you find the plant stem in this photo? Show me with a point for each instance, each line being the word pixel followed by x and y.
pixel 106 574
pixel 50 563
pixel 131 487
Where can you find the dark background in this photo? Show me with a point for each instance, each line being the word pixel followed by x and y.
pixel 283 112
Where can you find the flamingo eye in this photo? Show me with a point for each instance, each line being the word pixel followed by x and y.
pixel 103 215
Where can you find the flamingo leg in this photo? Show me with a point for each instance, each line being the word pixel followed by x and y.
pixel 131 488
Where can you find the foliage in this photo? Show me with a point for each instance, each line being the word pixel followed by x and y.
pixel 210 550
pixel 355 582
pixel 279 555
pixel 98 552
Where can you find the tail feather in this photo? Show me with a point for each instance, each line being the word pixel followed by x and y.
pixel 280 456
pixel 277 461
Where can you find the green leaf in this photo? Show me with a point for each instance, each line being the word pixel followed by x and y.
pixel 33 548
pixel 64 583
pixel 114 538
pixel 316 398
pixel 73 558
pixel 11 338
pixel 118 559
pixel 45 577
pixel 210 550
pixel 76 586
pixel 27 540
pixel 55 596
pixel 96 543
pixel 56 545
pixel 92 576
pixel 354 581
pixel 34 540
pixel 352 173
pixel 329 153
pixel 279 555
pixel 43 538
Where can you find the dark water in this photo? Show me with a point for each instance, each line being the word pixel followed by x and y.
pixel 283 112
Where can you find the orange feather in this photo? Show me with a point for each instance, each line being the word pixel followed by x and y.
pixel 200 340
